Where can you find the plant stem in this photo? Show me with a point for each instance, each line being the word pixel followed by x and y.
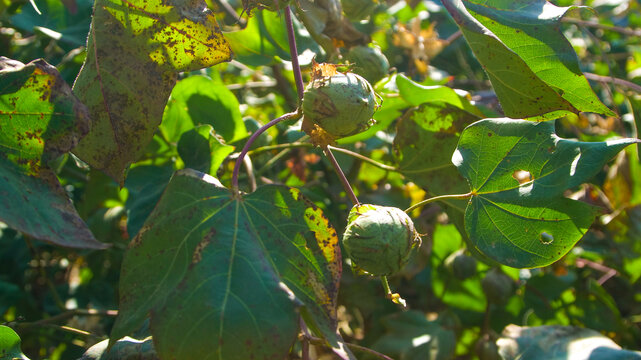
pixel 596 25
pixel 229 10
pixel 369 351
pixel 53 320
pixel 439 198
pixel 273 160
pixel 615 81
pixel 386 287
pixel 341 175
pixel 71 313
pixel 249 167
pixel 287 146
pixel 294 52
pixel 364 158
pixel 255 135
pixel 305 338
pixel 318 341
pixel 300 144
pixel 453 37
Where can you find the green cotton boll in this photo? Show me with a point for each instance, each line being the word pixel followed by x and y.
pixel 497 286
pixel 369 62
pixel 460 265
pixel 341 104
pixel 378 239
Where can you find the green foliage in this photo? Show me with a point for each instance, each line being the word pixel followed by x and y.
pixel 126 102
pixel 241 265
pixel 533 68
pixel 409 335
pixel 10 344
pixel 41 120
pixel 563 341
pixel 198 100
pixel 518 171
pixel 155 188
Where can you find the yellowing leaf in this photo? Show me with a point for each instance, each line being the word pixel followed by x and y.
pixel 135 49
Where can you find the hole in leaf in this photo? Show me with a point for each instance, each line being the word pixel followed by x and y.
pixel 546 238
pixel 522 176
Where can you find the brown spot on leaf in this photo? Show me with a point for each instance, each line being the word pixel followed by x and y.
pixel 197 255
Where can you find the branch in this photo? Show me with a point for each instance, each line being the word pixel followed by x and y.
pixel 294 52
pixel 615 81
pixel 364 158
pixel 452 38
pixel 439 198
pixel 341 175
pixel 300 144
pixel 71 313
pixel 229 10
pixel 596 25
pixel 255 135
pixel 321 342
pixel 52 322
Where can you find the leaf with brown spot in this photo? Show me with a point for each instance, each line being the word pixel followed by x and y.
pixel 234 273
pixel 40 119
pixel 532 66
pixel 134 51
pixel 527 223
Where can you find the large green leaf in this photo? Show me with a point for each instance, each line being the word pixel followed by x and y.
pixel 533 68
pixel 198 100
pixel 135 48
pixel 10 344
pixel 40 119
pixel 559 342
pixel 224 274
pixel 518 171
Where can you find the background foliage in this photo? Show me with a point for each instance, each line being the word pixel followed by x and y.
pixel 60 300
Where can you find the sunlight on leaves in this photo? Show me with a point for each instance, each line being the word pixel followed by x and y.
pixel 566 342
pixel 532 66
pixel 199 100
pixel 41 120
pixel 233 273
pixel 519 222
pixel 10 344
pixel 135 49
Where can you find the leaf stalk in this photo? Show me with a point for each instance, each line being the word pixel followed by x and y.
pixel 439 198
pixel 239 161
pixel 341 175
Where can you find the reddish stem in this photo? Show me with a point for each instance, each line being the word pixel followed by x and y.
pixel 341 175
pixel 294 52
pixel 239 160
